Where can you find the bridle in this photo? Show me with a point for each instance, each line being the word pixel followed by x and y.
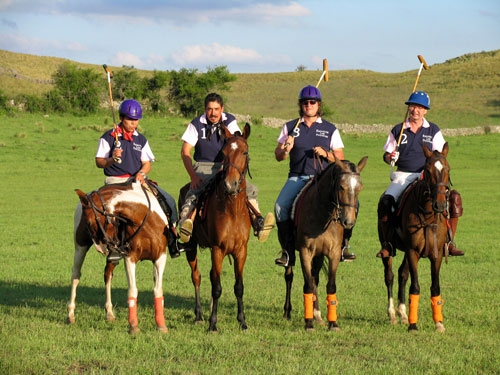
pixel 337 203
pixel 242 172
pixel 120 242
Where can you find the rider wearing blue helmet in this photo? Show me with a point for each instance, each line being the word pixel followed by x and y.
pixel 409 159
pixel 125 155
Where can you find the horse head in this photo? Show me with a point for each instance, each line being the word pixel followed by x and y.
pixel 347 185
pixel 437 177
pixel 102 225
pixel 236 160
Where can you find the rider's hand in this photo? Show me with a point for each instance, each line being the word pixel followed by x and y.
pixel 394 156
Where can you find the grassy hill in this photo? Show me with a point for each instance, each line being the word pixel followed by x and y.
pixel 465 91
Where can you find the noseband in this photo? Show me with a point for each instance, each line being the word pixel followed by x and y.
pixel 120 245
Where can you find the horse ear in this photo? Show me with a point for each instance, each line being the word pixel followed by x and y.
pixel 446 148
pixel 246 131
pixel 83 197
pixel 227 134
pixel 362 163
pixel 426 150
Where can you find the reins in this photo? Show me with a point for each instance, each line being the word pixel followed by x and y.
pixel 115 244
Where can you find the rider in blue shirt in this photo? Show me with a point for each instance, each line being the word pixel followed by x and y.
pixel 131 159
pixel 410 161
pixel 306 143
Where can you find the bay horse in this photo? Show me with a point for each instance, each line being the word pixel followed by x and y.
pixel 222 224
pixel 326 206
pixel 125 219
pixel 421 232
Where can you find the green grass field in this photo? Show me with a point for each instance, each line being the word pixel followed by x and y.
pixel 43 159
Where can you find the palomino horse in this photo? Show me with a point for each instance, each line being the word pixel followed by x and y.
pixel 125 219
pixel 421 232
pixel 326 205
pixel 223 225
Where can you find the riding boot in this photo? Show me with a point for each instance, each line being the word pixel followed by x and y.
pixel 261 226
pixel 452 249
pixel 175 248
pixel 456 211
pixel 346 255
pixel 286 237
pixel 385 226
pixel 186 218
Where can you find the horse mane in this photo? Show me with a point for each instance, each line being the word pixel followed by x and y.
pixel 315 180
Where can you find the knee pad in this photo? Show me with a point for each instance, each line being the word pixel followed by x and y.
pixel 456 209
pixel 385 205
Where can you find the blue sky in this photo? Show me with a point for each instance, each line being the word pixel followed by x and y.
pixel 251 36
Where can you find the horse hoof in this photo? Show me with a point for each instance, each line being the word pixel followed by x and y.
pixel 162 329
pixel 134 330
pixel 333 327
pixel 440 327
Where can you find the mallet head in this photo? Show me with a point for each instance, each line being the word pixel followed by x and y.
pixel 325 69
pixel 422 61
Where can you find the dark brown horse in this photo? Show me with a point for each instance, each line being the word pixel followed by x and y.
pixel 421 232
pixel 124 219
pixel 223 225
pixel 326 206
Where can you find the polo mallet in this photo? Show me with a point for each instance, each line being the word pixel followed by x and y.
pixel 324 77
pixel 423 65
pixel 117 142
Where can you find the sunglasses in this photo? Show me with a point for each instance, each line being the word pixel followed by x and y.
pixel 306 102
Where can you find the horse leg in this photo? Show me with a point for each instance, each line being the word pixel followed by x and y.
pixel 215 272
pixel 158 269
pixel 83 242
pixel 309 287
pixel 436 300
pixel 316 268
pixel 403 273
pixel 288 282
pixel 239 264
pixel 389 282
pixel 132 297
pixel 79 257
pixel 331 292
pixel 414 295
pixel 192 259
pixel 108 277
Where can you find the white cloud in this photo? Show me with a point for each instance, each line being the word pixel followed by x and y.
pixel 128 59
pixel 214 53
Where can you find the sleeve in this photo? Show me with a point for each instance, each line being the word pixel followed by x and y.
pixel 147 153
pixel 233 127
pixel 390 143
pixel 336 141
pixel 103 149
pixel 190 135
pixel 283 135
pixel 438 141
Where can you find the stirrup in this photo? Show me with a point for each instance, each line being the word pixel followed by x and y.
pixel 284 260
pixel 346 256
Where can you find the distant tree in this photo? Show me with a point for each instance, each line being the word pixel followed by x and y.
pixel 127 84
pixel 152 90
pixel 300 68
pixel 80 88
pixel 188 88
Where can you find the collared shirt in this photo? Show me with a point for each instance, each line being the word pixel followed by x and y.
pixel 207 142
pixel 411 155
pixel 322 133
pixel 135 152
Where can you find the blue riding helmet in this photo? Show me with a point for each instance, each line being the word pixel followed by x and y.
pixel 130 108
pixel 310 92
pixel 420 98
